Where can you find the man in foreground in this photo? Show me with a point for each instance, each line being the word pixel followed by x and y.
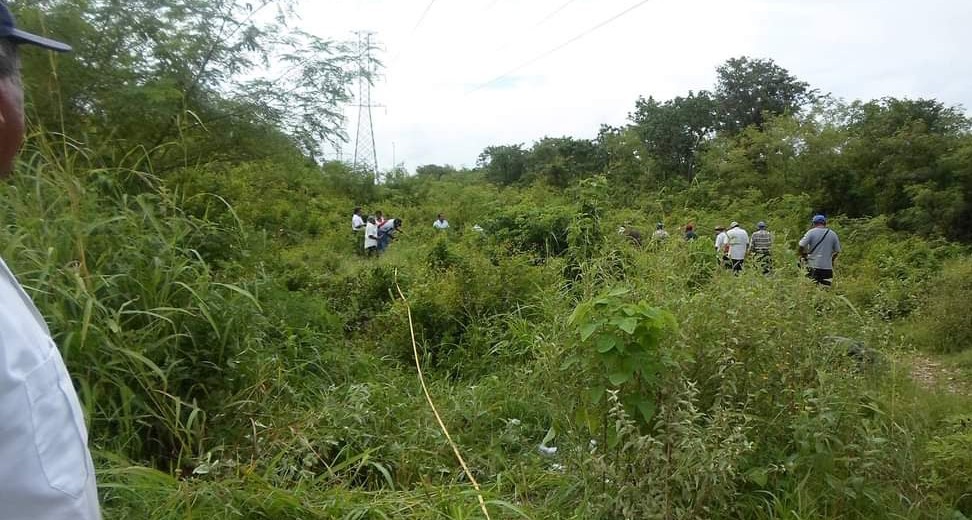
pixel 46 471
pixel 818 249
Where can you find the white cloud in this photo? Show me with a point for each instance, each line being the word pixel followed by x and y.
pixel 852 48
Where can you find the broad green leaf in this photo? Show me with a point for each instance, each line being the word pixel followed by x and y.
pixel 605 343
pixel 588 329
pixel 594 395
pixel 551 435
pixel 619 291
pixel 628 325
pixel 618 378
pixel 646 409
pixel 758 476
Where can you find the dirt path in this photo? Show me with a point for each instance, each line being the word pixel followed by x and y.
pixel 935 376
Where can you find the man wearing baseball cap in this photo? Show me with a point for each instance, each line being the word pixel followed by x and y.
pixel 738 245
pixel 818 248
pixel 46 471
pixel 761 247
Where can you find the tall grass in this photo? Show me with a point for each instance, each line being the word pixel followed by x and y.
pixel 237 359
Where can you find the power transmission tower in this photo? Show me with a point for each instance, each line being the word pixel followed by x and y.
pixel 365 154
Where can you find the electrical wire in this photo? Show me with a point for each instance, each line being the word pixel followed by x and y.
pixel 542 21
pixel 557 48
pixel 422 18
pixel 554 13
pixel 414 29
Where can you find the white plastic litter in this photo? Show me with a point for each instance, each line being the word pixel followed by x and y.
pixel 547 450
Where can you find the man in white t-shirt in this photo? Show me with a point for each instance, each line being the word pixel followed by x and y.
pixel 46 472
pixel 371 237
pixel 357 222
pixel 738 241
pixel 660 233
pixel 441 222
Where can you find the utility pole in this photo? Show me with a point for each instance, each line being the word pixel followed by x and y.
pixel 365 154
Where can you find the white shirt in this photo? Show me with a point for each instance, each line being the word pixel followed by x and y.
pixel 441 224
pixel 371 230
pixel 660 234
pixel 46 472
pixel 356 222
pixel 721 241
pixel 738 243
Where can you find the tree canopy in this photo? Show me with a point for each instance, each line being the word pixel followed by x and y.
pixel 227 79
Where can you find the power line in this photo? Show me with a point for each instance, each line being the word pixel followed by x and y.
pixel 542 21
pixel 557 48
pixel 554 13
pixel 414 29
pixel 422 18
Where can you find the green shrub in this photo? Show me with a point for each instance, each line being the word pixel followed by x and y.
pixel 949 464
pixel 944 323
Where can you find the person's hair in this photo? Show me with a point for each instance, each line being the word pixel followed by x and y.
pixel 379 214
pixel 356 210
pixel 689 227
pixel 398 222
pixel 9 60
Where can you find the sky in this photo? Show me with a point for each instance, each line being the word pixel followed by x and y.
pixel 461 75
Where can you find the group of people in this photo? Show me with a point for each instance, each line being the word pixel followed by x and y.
pixel 818 248
pixel 735 245
pixel 378 231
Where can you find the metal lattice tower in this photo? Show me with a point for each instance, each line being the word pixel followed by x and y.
pixel 365 154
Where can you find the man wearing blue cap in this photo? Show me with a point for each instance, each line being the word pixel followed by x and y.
pixel 46 471
pixel 818 249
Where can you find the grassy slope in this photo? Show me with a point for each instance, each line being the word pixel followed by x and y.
pixel 266 372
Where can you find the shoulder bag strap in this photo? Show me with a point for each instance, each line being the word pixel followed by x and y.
pixel 814 248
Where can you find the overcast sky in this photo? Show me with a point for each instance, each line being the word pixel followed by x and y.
pixel 466 75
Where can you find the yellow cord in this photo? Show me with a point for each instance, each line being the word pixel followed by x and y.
pixel 435 411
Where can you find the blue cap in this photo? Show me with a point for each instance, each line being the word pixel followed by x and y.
pixel 761 224
pixel 819 219
pixel 10 31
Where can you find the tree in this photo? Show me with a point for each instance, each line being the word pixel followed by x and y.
pixel 750 90
pixel 560 160
pixel 904 150
pixel 503 164
pixel 435 171
pixel 212 77
pixel 674 131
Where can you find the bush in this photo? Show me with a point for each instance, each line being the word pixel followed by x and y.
pixel 944 322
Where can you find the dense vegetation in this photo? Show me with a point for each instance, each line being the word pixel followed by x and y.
pixel 238 358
